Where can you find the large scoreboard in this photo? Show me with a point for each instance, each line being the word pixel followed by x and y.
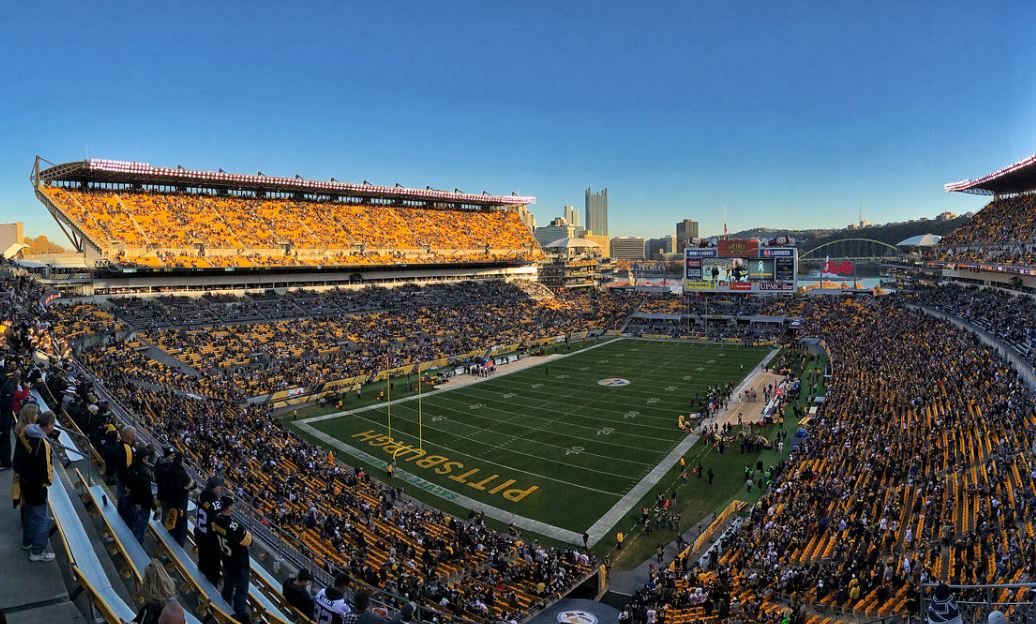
pixel 740 266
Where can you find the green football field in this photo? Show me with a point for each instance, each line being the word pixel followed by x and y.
pixel 560 443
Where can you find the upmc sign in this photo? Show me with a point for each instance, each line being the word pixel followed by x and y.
pixel 843 267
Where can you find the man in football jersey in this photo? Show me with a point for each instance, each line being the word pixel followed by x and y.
pixel 208 546
pixel 331 606
pixel 234 540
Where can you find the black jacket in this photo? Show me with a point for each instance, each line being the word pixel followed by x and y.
pixel 138 482
pixel 33 467
pixel 297 597
pixel 174 486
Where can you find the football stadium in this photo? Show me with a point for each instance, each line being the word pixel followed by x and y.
pixel 253 398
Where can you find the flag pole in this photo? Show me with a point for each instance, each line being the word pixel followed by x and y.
pixel 420 412
pixel 388 390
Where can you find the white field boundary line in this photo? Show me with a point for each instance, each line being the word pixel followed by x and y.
pixel 501 373
pixel 536 526
pixel 600 528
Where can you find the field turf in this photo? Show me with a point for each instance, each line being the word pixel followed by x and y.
pixel 549 442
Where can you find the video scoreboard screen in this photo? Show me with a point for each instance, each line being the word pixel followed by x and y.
pixel 740 265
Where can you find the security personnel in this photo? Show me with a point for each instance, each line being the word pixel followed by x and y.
pixel 209 506
pixel 331 606
pixel 234 540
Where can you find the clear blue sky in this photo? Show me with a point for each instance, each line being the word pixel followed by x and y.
pixel 789 114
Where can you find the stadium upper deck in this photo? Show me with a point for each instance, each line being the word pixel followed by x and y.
pixel 135 215
pixel 1008 220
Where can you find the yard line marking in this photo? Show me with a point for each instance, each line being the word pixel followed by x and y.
pixel 499 446
pixel 518 437
pixel 542 408
pixel 457 451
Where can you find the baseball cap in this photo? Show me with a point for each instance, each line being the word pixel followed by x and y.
pixel 227 500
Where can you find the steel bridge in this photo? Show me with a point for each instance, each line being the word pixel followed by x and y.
pixel 853 249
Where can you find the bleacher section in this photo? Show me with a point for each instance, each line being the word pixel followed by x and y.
pixel 336 335
pixel 197 230
pixel 1008 220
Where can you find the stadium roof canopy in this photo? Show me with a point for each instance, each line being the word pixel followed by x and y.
pixel 921 240
pixel 123 172
pixel 572 243
pixel 1016 178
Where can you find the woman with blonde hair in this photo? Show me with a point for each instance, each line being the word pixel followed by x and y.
pixel 159 594
pixel 26 416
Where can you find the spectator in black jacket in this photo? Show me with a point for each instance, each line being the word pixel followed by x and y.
pixel 174 485
pixel 296 592
pixel 7 386
pixel 32 462
pixel 140 500
pixel 122 459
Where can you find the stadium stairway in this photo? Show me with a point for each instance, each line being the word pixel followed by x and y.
pixel 32 592
pixel 122 538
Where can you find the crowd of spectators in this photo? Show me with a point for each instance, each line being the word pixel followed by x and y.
pixel 199 230
pixel 345 520
pixel 355 333
pixel 919 467
pixel 1011 317
pixel 1015 255
pixel 1008 220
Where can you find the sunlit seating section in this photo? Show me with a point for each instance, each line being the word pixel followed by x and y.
pixel 204 231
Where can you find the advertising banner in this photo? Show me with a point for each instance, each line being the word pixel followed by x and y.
pixel 692 269
pixel 734 248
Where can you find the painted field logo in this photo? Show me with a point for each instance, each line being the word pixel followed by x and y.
pixel 577 617
pixel 611 381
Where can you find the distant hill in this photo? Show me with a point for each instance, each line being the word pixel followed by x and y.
pixel 800 236
pixel 892 233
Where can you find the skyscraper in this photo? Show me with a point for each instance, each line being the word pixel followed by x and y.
pixel 628 247
pixel 571 215
pixel 527 217
pixel 597 211
pixel 685 231
pixel 654 248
